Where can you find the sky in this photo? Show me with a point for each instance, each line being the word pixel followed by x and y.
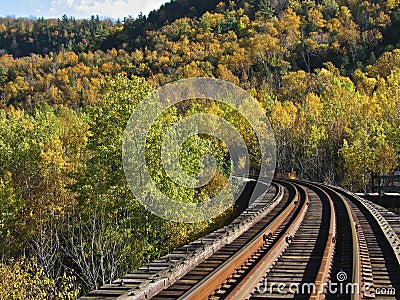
pixel 77 8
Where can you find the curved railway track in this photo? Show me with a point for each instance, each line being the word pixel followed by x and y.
pixel 300 240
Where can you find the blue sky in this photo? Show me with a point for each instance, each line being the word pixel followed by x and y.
pixel 77 8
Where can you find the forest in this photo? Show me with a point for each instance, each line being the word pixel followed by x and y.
pixel 327 74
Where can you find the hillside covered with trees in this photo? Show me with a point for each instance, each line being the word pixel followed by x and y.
pixel 326 72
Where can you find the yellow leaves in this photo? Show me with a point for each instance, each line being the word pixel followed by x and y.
pixel 107 68
pixel 95 81
pixel 22 278
pixel 265 47
pixel 367 153
pixel 385 159
pixel 344 14
pixel 283 115
pixel 315 135
pixel 55 95
pixel 62 76
pixel 164 60
pixel 26 124
pixel 385 64
pixel 289 21
pixel 7 60
pixel 240 61
pixel 225 74
pixel 315 17
pixel 213 19
pixel 289 28
pixel 314 106
pixel 20 83
pixel 244 21
pixel 311 43
pixel 75 134
pixel 51 154
pixel 388 96
pixel 191 70
pixel 391 4
pixel 363 83
pixel 382 20
pixel 137 56
pixel 271 29
pixel 113 52
pixel 41 152
pixel 334 25
pixel 349 33
pixel 10 90
pixel 67 58
pixel 295 86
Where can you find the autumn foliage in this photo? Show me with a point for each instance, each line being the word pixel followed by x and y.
pixel 326 72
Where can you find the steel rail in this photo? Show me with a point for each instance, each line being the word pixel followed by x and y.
pixel 246 286
pixel 323 274
pixel 214 280
pixel 326 263
pixel 356 259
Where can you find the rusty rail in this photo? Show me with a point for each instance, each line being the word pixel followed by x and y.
pixel 214 280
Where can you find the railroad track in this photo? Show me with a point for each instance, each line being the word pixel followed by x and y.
pixel 300 240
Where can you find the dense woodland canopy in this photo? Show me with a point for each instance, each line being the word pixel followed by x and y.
pixel 326 72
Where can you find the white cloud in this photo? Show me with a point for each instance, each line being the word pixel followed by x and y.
pixel 109 8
